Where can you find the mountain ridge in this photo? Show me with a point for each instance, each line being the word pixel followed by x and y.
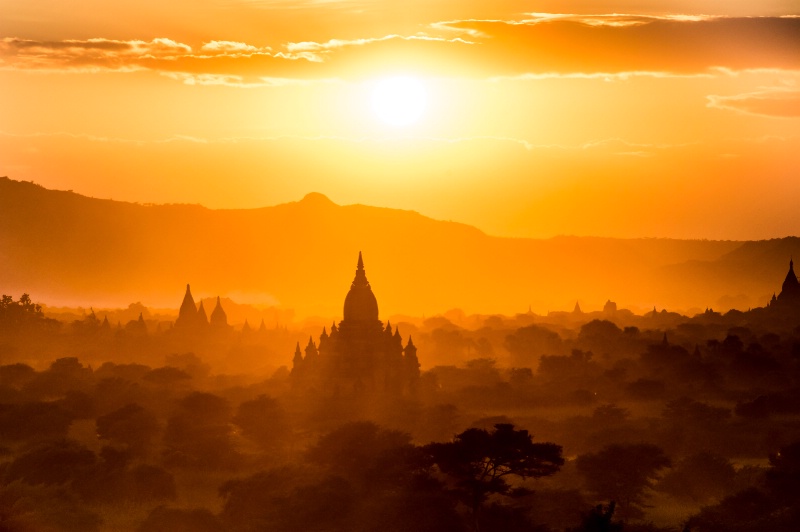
pixel 61 246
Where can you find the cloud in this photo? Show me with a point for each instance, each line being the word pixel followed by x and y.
pixel 610 46
pixel 614 20
pixel 774 103
pixel 109 54
pixel 605 76
pixel 240 81
pixel 231 47
pixel 622 43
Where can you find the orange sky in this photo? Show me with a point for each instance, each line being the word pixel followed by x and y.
pixel 681 119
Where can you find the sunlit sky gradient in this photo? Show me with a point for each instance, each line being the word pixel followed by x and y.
pixel 627 119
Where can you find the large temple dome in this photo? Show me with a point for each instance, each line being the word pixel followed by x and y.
pixel 360 303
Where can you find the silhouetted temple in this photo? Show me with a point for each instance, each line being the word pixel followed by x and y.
pixel 789 297
pixel 192 318
pixel 361 355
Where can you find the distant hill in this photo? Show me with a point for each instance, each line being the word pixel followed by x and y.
pixel 62 247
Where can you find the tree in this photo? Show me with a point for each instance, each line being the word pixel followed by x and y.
pixel 58 462
pixel 132 425
pixel 33 421
pixel 775 507
pixel 600 519
pixel 364 452
pixel 199 434
pixel 699 478
pixel 527 344
pixel 263 421
pixel 164 519
pixel 15 315
pixel 480 462
pixel 623 473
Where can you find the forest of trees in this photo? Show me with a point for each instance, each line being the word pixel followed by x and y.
pixel 564 423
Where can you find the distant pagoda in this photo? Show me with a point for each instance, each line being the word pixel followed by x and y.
pixel 193 318
pixel 361 355
pixel 789 297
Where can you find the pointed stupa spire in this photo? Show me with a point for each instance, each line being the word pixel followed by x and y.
pixel 311 350
pixel 577 309
pixel 360 304
pixel 411 361
pixel 202 317
pixel 297 361
pixel 187 315
pixel 218 316
pixel 791 287
pixel 323 339
pixel 298 354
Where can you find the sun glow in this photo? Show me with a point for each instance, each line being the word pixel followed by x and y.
pixel 399 101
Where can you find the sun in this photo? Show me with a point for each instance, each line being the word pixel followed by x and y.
pixel 399 100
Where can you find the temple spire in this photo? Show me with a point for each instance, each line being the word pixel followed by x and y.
pixel 187 315
pixel 202 317
pixel 218 316
pixel 360 303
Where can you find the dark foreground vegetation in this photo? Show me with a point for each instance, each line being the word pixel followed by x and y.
pixel 571 422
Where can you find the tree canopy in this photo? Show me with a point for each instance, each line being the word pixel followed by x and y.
pixel 480 461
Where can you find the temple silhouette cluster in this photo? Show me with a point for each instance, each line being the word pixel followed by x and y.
pixel 789 297
pixel 192 318
pixel 361 355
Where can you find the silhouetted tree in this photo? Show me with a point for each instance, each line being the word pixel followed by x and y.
pixel 200 434
pixel 527 344
pixel 151 483
pixel 164 519
pixel 166 376
pixel 438 423
pixel 33 421
pixel 623 473
pixel 130 425
pixel 600 334
pixel 783 477
pixel 16 375
pixel 16 316
pixel 699 477
pixel 27 508
pixel 62 462
pixel 480 461
pixel 600 519
pixel 264 421
pixel 288 499
pixel 577 368
pixel 367 453
pixel 422 506
pixel 63 375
